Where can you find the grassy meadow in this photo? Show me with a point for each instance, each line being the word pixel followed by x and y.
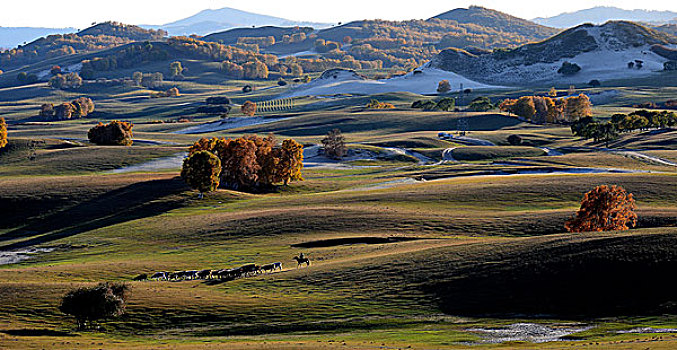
pixel 405 253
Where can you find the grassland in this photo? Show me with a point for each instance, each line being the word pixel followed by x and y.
pixel 480 241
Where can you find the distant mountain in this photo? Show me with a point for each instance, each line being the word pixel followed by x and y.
pixel 10 37
pixel 598 15
pixel 602 52
pixel 212 21
pixel 496 20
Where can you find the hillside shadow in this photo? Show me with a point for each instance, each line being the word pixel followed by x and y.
pixel 37 333
pixel 132 202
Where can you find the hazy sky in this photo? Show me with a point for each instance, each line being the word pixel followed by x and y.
pixel 80 13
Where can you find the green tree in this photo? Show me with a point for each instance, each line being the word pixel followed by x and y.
pixel 201 171
pixel 446 104
pixel 87 305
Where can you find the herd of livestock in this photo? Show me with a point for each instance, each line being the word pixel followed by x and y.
pixel 225 274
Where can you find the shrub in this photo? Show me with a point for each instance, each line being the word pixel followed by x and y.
pixel 116 133
pixel 595 83
pixel 247 89
pixel 201 171
pixel 605 208
pixel 281 82
pixel 515 140
pixel 3 132
pixel 88 305
pixel 443 87
pixel 334 144
pixel 248 108
pixel 568 69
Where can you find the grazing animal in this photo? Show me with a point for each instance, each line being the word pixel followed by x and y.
pixel 190 275
pixel 249 269
pixel 141 277
pixel 277 265
pixel 268 268
pixel 159 276
pixel 301 260
pixel 204 274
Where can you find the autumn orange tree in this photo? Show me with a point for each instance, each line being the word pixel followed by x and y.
pixel 253 162
pixel 443 87
pixel 248 108
pixel 605 208
pixel 201 171
pixel 3 133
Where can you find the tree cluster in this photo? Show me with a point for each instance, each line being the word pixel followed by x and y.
pixel 543 109
pixel 65 81
pixel 78 108
pixel 481 104
pixel 446 104
pixel 89 304
pixel 148 80
pixel 253 162
pixel 590 128
pixel 115 133
pixel 605 208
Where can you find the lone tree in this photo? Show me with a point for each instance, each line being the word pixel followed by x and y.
pixel 569 69
pixel 606 208
pixel 248 108
pixel 443 87
pixel 201 171
pixel 3 133
pixel 116 133
pixel 89 304
pixel 334 144
pixel 176 70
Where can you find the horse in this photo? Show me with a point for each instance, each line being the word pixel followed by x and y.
pixel 248 269
pixel 302 261
pixel 141 277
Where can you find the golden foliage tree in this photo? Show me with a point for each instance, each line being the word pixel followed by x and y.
pixel 443 87
pixel 291 161
pixel 3 133
pixel 115 133
pixel 605 208
pixel 248 108
pixel 201 171
pixel 577 107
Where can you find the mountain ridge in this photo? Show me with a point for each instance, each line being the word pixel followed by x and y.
pixel 602 14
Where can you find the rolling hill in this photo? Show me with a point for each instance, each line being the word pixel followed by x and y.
pixel 601 14
pixel 496 20
pixel 602 52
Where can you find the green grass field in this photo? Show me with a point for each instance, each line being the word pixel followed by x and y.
pixel 405 253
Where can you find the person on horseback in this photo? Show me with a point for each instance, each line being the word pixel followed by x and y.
pixel 301 256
